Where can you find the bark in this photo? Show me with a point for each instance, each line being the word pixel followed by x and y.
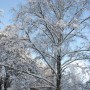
pixel 58 80
pixel 6 82
pixel 1 82
pixel 5 89
pixel 33 89
pixel 0 86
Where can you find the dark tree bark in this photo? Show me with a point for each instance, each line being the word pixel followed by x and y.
pixel 1 82
pixel 33 89
pixel 58 81
pixel 6 82
pixel 5 88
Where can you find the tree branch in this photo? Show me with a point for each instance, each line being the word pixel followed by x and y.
pixel 37 76
pixel 71 61
pixel 44 58
pixel 43 87
pixel 77 51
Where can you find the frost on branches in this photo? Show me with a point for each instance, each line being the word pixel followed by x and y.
pixel 15 65
pixel 55 32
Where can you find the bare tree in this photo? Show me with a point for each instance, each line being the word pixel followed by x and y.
pixel 56 32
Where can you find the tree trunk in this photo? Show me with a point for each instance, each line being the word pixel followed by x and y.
pixel 5 88
pixel 0 87
pixel 1 82
pixel 58 80
pixel 7 82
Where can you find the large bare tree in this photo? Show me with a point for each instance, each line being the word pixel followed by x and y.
pixel 55 31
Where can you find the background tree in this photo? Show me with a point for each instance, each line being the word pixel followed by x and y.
pixel 16 67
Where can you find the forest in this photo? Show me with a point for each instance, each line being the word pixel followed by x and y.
pixel 47 46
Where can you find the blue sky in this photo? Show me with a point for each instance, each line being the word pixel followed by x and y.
pixel 6 6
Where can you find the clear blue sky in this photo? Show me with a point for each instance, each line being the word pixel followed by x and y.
pixel 6 6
